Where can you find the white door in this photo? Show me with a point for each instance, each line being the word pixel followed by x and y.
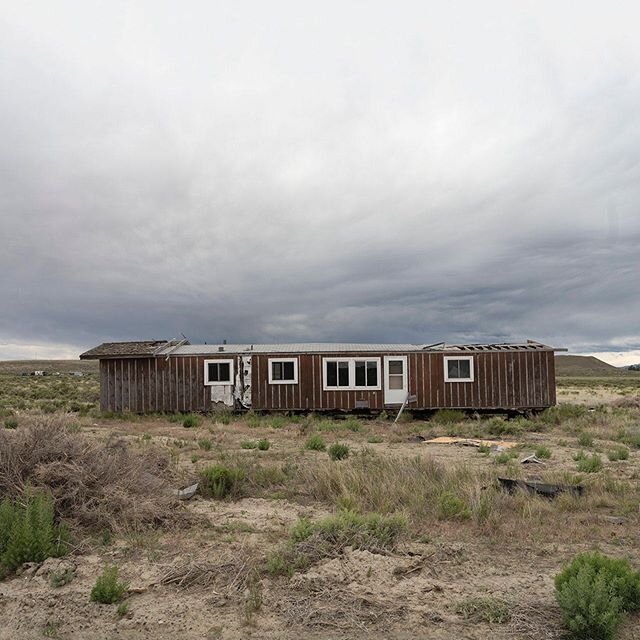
pixel 395 379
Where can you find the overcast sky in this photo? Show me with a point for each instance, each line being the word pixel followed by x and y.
pixel 293 171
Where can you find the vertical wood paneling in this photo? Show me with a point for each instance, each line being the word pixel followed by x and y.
pixel 551 366
pixel 142 377
pixel 104 381
pixel 513 366
pixel 111 372
pixel 485 381
pixel 149 394
pixel 499 377
pixel 539 380
pixel 162 387
pixel 502 380
pixel 118 385
pixel 204 403
pixel 191 385
pixel 170 389
pixel 517 369
pixel 531 386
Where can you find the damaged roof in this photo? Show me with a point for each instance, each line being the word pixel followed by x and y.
pixel 530 345
pixel 347 347
pixel 184 348
pixel 138 349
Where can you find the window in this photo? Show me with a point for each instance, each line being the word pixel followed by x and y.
pixel 351 374
pixel 218 372
pixel 396 374
pixel 458 369
pixel 366 373
pixel 337 373
pixel 283 371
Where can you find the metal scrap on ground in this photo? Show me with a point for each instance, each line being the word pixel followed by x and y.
pixel 187 493
pixel 542 488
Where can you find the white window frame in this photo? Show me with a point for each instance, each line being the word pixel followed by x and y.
pixel 217 383
pixel 295 371
pixel 446 369
pixel 352 374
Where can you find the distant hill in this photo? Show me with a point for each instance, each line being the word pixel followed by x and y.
pixel 18 367
pixel 586 366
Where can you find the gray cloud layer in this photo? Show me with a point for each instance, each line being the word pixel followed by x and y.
pixel 265 171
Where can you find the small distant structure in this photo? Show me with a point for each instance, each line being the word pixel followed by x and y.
pixel 39 373
pixel 77 374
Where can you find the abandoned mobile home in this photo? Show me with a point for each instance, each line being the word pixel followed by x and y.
pixel 159 376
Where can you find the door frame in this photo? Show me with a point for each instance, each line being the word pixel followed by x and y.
pixel 401 394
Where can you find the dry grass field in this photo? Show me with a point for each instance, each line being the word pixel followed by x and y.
pixel 398 539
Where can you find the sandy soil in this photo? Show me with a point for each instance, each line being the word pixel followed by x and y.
pixel 411 593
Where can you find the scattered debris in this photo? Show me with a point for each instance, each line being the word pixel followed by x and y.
pixel 532 459
pixel 541 620
pixel 28 569
pixel 317 604
pixel 541 488
pixel 231 575
pixel 187 493
pixel 473 442
pixel 407 400
pixel 415 566
pixel 189 575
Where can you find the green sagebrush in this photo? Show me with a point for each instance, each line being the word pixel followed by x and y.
pixel 315 442
pixel 219 481
pixel 595 592
pixel 108 589
pixel 338 451
pixel 29 532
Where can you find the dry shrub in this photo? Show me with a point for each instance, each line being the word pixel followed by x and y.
pixel 325 606
pixel 537 620
pixel 94 484
pixel 229 575
pixel 484 609
pixel 371 482
pixel 627 402
pixel 430 493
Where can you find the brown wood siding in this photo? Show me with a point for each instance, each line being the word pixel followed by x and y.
pixel 502 380
pixel 145 385
pixel 308 393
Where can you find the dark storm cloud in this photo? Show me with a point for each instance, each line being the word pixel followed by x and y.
pixel 354 174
